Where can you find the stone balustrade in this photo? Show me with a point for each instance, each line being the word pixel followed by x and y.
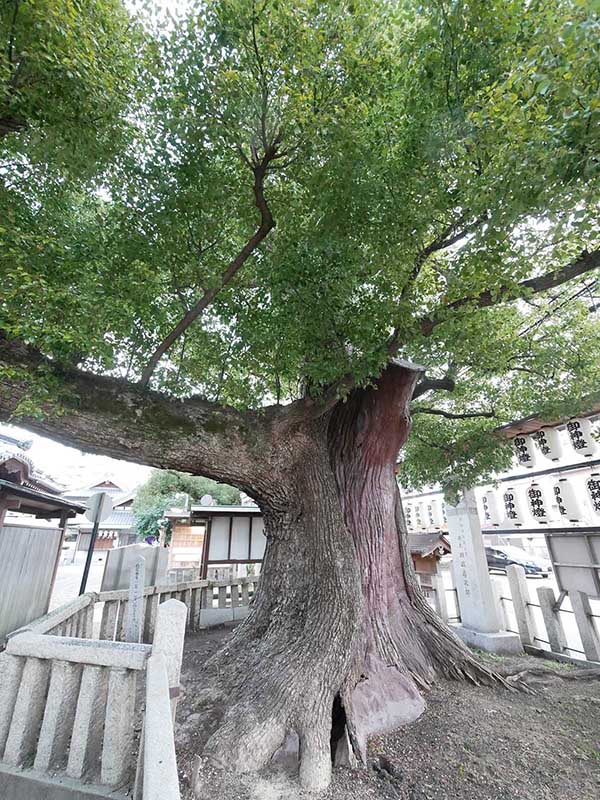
pixel 68 707
pixel 68 699
pixel 72 619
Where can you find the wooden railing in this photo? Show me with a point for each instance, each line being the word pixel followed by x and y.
pixel 208 603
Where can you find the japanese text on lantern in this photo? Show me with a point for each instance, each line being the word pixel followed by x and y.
pixel 522 450
pixel 593 487
pixel 542 441
pixel 510 505
pixel 576 435
pixel 536 502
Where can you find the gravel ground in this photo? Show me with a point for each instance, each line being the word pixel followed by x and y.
pixel 470 744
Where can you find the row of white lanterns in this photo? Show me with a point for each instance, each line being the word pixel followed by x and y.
pixel 513 506
pixel 549 443
pixel 425 514
pixel 569 505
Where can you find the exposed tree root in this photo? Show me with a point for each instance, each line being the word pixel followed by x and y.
pixel 582 674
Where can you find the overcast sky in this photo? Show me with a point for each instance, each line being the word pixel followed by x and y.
pixel 72 468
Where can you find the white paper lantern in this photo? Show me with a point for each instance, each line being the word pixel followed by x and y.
pixel 513 507
pixel 492 513
pixel 409 516
pixel 524 451
pixel 538 504
pixel 549 443
pixel 433 514
pixel 580 434
pixel 592 485
pixel 567 501
pixel 419 516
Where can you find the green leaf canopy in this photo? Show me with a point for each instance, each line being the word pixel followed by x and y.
pixel 423 163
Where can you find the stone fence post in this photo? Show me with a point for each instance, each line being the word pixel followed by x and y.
pixel 480 625
pixel 520 596
pixel 580 604
pixel 134 619
pixel 168 640
pixel 552 621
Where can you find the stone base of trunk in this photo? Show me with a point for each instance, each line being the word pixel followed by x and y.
pixel 502 642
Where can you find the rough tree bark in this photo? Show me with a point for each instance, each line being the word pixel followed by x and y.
pixel 340 639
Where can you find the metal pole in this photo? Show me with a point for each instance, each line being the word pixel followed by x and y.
pixel 90 552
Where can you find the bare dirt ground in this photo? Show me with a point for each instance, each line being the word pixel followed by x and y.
pixel 472 743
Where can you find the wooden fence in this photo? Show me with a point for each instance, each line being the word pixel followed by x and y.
pixel 28 560
pixel 208 603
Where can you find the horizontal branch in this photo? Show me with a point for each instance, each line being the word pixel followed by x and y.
pixel 433 384
pixel 451 415
pixel 267 223
pixel 10 125
pixel 112 417
pixel 585 262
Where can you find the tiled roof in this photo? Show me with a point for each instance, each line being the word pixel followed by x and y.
pixel 425 543
pixel 121 518
pixel 36 479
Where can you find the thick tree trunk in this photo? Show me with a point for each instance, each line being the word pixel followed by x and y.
pixel 340 640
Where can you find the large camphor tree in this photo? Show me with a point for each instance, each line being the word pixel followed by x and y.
pixel 309 200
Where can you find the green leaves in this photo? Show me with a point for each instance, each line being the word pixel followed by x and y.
pixel 427 152
pixel 65 72
pixel 165 488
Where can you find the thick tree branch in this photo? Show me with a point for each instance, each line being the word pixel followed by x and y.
pixel 451 415
pixel 585 262
pixel 267 223
pixel 112 417
pixel 433 384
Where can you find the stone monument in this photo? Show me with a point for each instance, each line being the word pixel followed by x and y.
pixel 480 622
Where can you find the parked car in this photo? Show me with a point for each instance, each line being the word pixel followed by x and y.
pixel 499 558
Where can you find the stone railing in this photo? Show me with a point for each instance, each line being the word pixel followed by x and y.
pixel 73 619
pixel 549 622
pixel 69 707
pixel 68 699
pixel 161 781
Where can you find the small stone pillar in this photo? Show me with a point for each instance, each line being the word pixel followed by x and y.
pixel 480 624
pixel 168 641
pixel 134 620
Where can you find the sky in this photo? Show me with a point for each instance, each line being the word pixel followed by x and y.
pixel 73 468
